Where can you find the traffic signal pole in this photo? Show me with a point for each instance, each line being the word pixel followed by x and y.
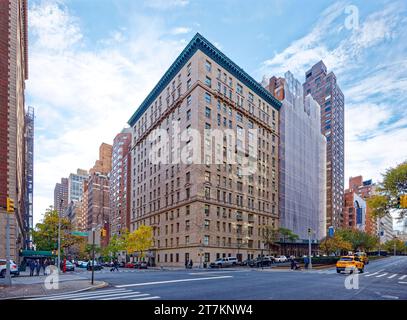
pixel 93 255
pixel 8 274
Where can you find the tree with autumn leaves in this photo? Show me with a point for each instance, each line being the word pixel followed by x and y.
pixel 140 240
pixel 45 233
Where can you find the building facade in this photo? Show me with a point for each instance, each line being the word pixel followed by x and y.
pixel 120 183
pixel 202 205
pixel 302 154
pixel 354 211
pixel 104 164
pixel 98 206
pixel 75 184
pixel 325 90
pixel 13 73
pixel 61 195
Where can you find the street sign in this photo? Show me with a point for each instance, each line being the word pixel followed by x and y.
pixel 80 234
pixel 97 238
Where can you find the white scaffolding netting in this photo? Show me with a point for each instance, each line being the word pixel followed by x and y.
pixel 302 163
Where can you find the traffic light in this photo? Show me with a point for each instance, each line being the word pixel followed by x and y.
pixel 403 201
pixel 10 205
pixel 103 232
pixel 309 230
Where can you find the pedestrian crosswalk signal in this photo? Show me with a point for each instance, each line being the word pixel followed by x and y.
pixel 10 205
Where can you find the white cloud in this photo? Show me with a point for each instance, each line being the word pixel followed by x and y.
pixel 166 4
pixel 180 30
pixel 84 96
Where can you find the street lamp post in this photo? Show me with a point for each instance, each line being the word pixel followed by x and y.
pixel 93 255
pixel 59 236
pixel 309 248
pixel 8 274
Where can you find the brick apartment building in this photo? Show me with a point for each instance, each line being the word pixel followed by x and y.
pixel 205 210
pixel 13 73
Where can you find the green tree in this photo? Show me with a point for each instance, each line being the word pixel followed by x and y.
pixel 359 240
pixel 395 243
pixel 334 244
pixel 269 236
pixel 140 240
pixel 394 185
pixel 116 244
pixel 45 233
pixel 287 234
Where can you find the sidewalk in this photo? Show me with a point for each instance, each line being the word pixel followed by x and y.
pixel 35 286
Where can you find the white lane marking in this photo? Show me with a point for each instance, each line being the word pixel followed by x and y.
pixel 374 273
pixel 78 294
pixel 127 296
pixel 110 296
pixel 402 277
pixel 390 297
pixel 391 277
pixel 207 273
pixel 170 281
pixel 148 298
pixel 402 282
pixel 381 275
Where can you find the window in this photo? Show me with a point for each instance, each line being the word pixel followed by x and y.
pixel 207 97
pixel 189 70
pixel 187 177
pixel 207 210
pixel 189 114
pixel 239 89
pixel 189 100
pixel 187 225
pixel 207 176
pixel 187 210
pixel 208 66
pixel 208 112
pixel 207 193
pixel 207 224
pixel 206 240
pixel 208 81
pixel 239 117
pixel 189 84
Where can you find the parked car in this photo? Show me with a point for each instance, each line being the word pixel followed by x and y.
pixel 13 268
pixel 281 259
pixel 82 264
pixel 140 265
pixel 262 262
pixel 129 265
pixel 96 265
pixel 69 266
pixel 224 262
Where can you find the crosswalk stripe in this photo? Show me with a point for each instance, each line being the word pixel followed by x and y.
pixel 402 277
pixel 403 282
pixel 148 298
pixel 381 275
pixel 79 294
pixel 69 296
pixel 108 296
pixel 392 276
pixel 372 274
pixel 127 296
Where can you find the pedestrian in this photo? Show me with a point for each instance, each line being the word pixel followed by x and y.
pixel 38 267
pixel 186 264
pixel 306 262
pixel 32 267
pixel 292 264
pixel 190 264
pixel 45 266
pixel 116 265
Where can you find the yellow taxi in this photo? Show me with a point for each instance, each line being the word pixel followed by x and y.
pixel 350 263
pixel 362 257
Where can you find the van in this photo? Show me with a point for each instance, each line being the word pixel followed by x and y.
pixel 224 262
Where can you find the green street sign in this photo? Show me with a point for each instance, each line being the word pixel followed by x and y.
pixel 79 233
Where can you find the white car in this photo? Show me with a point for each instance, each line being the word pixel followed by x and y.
pixel 13 268
pixel 281 259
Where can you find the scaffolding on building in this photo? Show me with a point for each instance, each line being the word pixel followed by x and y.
pixel 29 174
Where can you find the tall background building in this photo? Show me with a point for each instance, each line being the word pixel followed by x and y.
pixel 13 73
pixel 75 185
pixel 205 211
pixel 98 203
pixel 61 196
pixel 120 183
pixel 324 89
pixel 302 154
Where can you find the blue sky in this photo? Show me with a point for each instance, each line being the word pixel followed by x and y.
pixel 92 62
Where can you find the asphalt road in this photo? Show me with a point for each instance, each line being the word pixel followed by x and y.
pixel 385 279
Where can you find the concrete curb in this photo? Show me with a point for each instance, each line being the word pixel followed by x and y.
pixel 100 286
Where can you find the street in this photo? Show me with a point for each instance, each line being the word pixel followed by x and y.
pixel 384 279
